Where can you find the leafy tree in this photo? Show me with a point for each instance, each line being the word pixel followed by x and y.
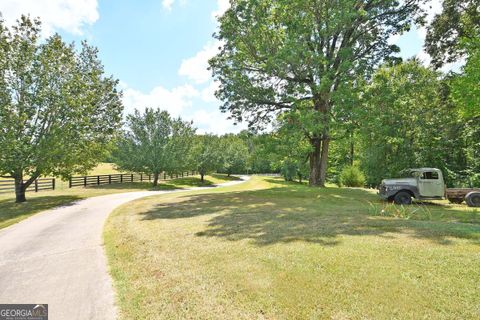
pixel 289 169
pixel 206 154
pixel 415 124
pixel 155 143
pixel 234 155
pixel 261 154
pixel 58 111
pixel 292 148
pixel 301 57
pixel 466 87
pixel 460 19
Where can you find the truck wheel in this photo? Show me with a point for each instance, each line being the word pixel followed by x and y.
pixel 473 199
pixel 455 200
pixel 403 197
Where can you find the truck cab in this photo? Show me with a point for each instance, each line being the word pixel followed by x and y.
pixel 421 183
pixel 430 183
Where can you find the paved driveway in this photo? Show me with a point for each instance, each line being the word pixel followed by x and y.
pixel 57 257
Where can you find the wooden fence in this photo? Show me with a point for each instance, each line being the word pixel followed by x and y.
pixel 86 181
pixel 37 185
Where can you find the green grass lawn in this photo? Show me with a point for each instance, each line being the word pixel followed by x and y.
pixel 267 249
pixel 11 212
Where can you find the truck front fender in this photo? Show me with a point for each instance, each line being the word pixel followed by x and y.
pixel 392 190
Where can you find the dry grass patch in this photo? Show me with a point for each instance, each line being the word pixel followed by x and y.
pixel 271 250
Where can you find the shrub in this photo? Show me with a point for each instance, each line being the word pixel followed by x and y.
pixel 351 176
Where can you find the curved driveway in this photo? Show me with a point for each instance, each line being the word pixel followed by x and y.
pixel 57 257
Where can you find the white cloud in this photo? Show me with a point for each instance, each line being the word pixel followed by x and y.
pixel 174 101
pixel 223 5
pixel 179 102
pixel 67 15
pixel 196 68
pixel 214 122
pixel 167 4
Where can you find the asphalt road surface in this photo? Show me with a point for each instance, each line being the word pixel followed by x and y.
pixel 57 258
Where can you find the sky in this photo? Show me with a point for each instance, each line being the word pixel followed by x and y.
pixel 159 49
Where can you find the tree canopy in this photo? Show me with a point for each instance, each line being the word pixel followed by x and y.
pixel 459 20
pixel 466 87
pixel 154 143
pixel 58 110
pixel 301 57
pixel 207 154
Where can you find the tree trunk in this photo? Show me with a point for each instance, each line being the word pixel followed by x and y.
pixel 320 144
pixel 201 177
pixel 315 155
pixel 319 162
pixel 352 147
pixel 20 189
pixel 324 161
pixel 155 179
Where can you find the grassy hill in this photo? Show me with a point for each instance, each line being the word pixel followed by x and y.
pixel 268 249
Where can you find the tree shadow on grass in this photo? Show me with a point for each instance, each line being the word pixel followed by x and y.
pixel 11 212
pixel 321 216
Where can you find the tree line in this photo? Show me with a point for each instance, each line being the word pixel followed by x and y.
pixel 322 75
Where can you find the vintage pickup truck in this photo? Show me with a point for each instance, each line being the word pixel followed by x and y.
pixel 425 184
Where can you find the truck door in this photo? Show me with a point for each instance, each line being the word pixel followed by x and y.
pixel 430 184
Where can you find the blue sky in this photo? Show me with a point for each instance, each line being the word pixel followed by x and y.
pixel 158 49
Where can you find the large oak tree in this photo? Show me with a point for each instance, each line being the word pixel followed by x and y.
pixel 300 57
pixel 58 111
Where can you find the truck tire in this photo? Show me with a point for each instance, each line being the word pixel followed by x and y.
pixel 403 197
pixel 473 199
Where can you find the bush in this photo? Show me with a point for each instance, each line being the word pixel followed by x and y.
pixel 351 176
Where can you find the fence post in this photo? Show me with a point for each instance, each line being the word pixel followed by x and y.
pixel 121 178
pixel 53 184
pixel 70 182
pixel 141 177
pixel 98 180
pixel 149 177
pixel 85 181
pixel 132 177
pixel 36 185
pixel 109 179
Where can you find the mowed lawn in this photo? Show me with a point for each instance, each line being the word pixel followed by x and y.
pixel 267 249
pixel 11 212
